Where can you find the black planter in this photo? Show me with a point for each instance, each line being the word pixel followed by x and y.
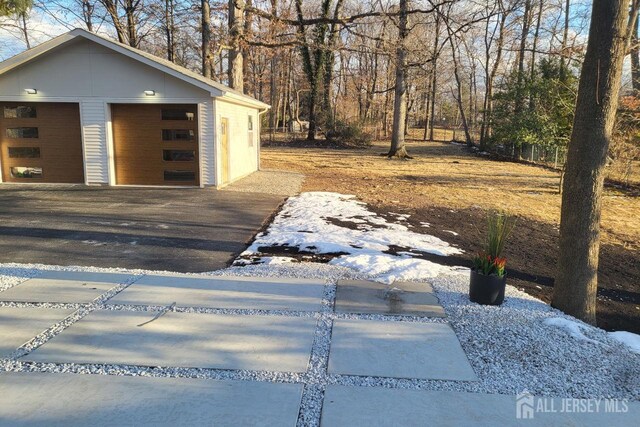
pixel 487 290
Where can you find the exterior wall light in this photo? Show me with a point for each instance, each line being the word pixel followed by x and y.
pixel 150 92
pixel 31 91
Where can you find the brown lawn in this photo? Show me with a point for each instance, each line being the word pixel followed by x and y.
pixel 451 189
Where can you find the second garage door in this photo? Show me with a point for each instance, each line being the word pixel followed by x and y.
pixel 155 144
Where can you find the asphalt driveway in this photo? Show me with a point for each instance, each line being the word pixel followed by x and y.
pixel 184 230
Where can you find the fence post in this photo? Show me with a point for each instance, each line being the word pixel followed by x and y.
pixel 555 162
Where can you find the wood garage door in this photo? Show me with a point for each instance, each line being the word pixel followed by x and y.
pixel 155 144
pixel 41 142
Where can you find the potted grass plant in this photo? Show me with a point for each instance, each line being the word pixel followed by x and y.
pixel 488 274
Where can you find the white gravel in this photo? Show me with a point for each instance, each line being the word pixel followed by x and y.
pixel 511 348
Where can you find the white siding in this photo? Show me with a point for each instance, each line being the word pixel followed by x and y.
pixel 207 143
pixel 243 158
pixel 94 136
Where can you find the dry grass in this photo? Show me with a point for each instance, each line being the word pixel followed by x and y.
pixel 447 176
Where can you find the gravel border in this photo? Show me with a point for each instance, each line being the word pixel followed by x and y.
pixel 509 347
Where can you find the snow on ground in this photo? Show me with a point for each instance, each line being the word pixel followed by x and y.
pixel 332 223
pixel 627 338
pixel 573 328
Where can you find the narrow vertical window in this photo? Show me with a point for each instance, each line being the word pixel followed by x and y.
pixel 250 130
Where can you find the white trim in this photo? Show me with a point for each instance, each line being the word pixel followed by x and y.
pixel 155 186
pixel 84 151
pixel 214 126
pixel 111 157
pixel 200 168
pixel 146 100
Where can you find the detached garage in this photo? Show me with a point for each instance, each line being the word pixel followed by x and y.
pixel 84 109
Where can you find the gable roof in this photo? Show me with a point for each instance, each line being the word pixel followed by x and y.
pixel 214 88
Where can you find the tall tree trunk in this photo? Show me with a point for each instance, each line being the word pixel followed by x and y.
pixel 519 104
pixel 24 29
pixel 427 111
pixel 236 27
pixel 273 81
pixel 485 132
pixel 170 29
pixel 329 61
pixel 434 78
pixel 534 47
pixel 87 14
pixel 132 24
pixel 206 38
pixel 398 148
pixel 565 33
pixel 576 282
pixel 111 6
pixel 458 95
pixel 246 53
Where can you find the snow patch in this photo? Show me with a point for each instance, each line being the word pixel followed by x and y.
pixel 629 339
pixel 449 231
pixel 572 327
pixel 332 223
pixel 389 268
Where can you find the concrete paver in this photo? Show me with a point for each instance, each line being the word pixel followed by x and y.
pixel 262 343
pixel 100 400
pixel 402 298
pixel 64 287
pixel 378 407
pixel 225 292
pixel 19 325
pixel 398 349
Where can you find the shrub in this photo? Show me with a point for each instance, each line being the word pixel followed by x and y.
pixel 348 134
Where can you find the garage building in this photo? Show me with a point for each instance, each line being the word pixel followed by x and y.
pixel 84 109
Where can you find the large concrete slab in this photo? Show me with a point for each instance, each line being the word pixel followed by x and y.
pixel 42 399
pixel 378 407
pixel 398 349
pixel 19 325
pixel 64 287
pixel 402 298
pixel 225 292
pixel 269 343
pixel 169 229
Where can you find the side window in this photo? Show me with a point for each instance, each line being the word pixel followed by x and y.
pixel 250 133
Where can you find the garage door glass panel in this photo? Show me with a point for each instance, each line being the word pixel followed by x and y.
pixel 179 176
pixel 20 112
pixel 178 135
pixel 26 172
pixel 22 132
pixel 24 152
pixel 178 155
pixel 177 114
